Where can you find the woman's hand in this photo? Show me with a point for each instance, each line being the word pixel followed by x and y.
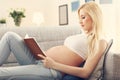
pixel 47 61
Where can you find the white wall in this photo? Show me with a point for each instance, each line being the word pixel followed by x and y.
pixel 111 21
pixel 47 7
pixel 117 16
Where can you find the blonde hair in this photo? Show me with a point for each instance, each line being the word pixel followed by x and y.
pixel 94 11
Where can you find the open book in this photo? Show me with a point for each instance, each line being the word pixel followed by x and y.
pixel 34 47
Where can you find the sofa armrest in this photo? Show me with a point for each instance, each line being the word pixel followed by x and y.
pixel 112 66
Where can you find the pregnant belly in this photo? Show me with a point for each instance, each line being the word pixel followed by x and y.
pixel 64 55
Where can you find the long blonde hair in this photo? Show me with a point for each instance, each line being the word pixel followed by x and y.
pixel 94 11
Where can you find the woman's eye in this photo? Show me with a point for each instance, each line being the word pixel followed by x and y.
pixel 83 17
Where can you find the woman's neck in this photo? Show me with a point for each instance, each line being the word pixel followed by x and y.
pixel 88 33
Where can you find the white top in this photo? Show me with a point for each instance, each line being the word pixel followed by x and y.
pixel 78 44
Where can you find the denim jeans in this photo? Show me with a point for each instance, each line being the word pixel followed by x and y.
pixel 11 42
pixel 70 77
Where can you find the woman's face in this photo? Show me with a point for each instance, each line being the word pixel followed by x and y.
pixel 85 21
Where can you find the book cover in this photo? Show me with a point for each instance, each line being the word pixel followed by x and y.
pixel 34 48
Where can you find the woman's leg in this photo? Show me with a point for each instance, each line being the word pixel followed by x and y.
pixel 38 71
pixel 29 77
pixel 11 42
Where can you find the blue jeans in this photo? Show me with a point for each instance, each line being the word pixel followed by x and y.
pixel 70 77
pixel 11 42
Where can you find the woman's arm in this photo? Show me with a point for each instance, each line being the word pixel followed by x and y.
pixel 92 61
pixel 84 71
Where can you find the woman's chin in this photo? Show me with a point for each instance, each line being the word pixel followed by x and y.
pixel 86 31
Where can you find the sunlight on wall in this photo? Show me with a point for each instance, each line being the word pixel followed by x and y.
pixel 38 18
pixel 109 21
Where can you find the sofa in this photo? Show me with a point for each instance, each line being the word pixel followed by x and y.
pixel 48 37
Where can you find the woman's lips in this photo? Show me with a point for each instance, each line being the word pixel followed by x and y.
pixel 82 25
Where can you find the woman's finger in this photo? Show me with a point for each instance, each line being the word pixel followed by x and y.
pixel 41 56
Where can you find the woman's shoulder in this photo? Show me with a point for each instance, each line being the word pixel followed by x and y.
pixel 103 40
pixel 102 44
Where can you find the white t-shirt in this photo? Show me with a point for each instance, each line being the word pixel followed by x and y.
pixel 78 44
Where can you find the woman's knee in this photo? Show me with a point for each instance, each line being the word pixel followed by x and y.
pixel 11 35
